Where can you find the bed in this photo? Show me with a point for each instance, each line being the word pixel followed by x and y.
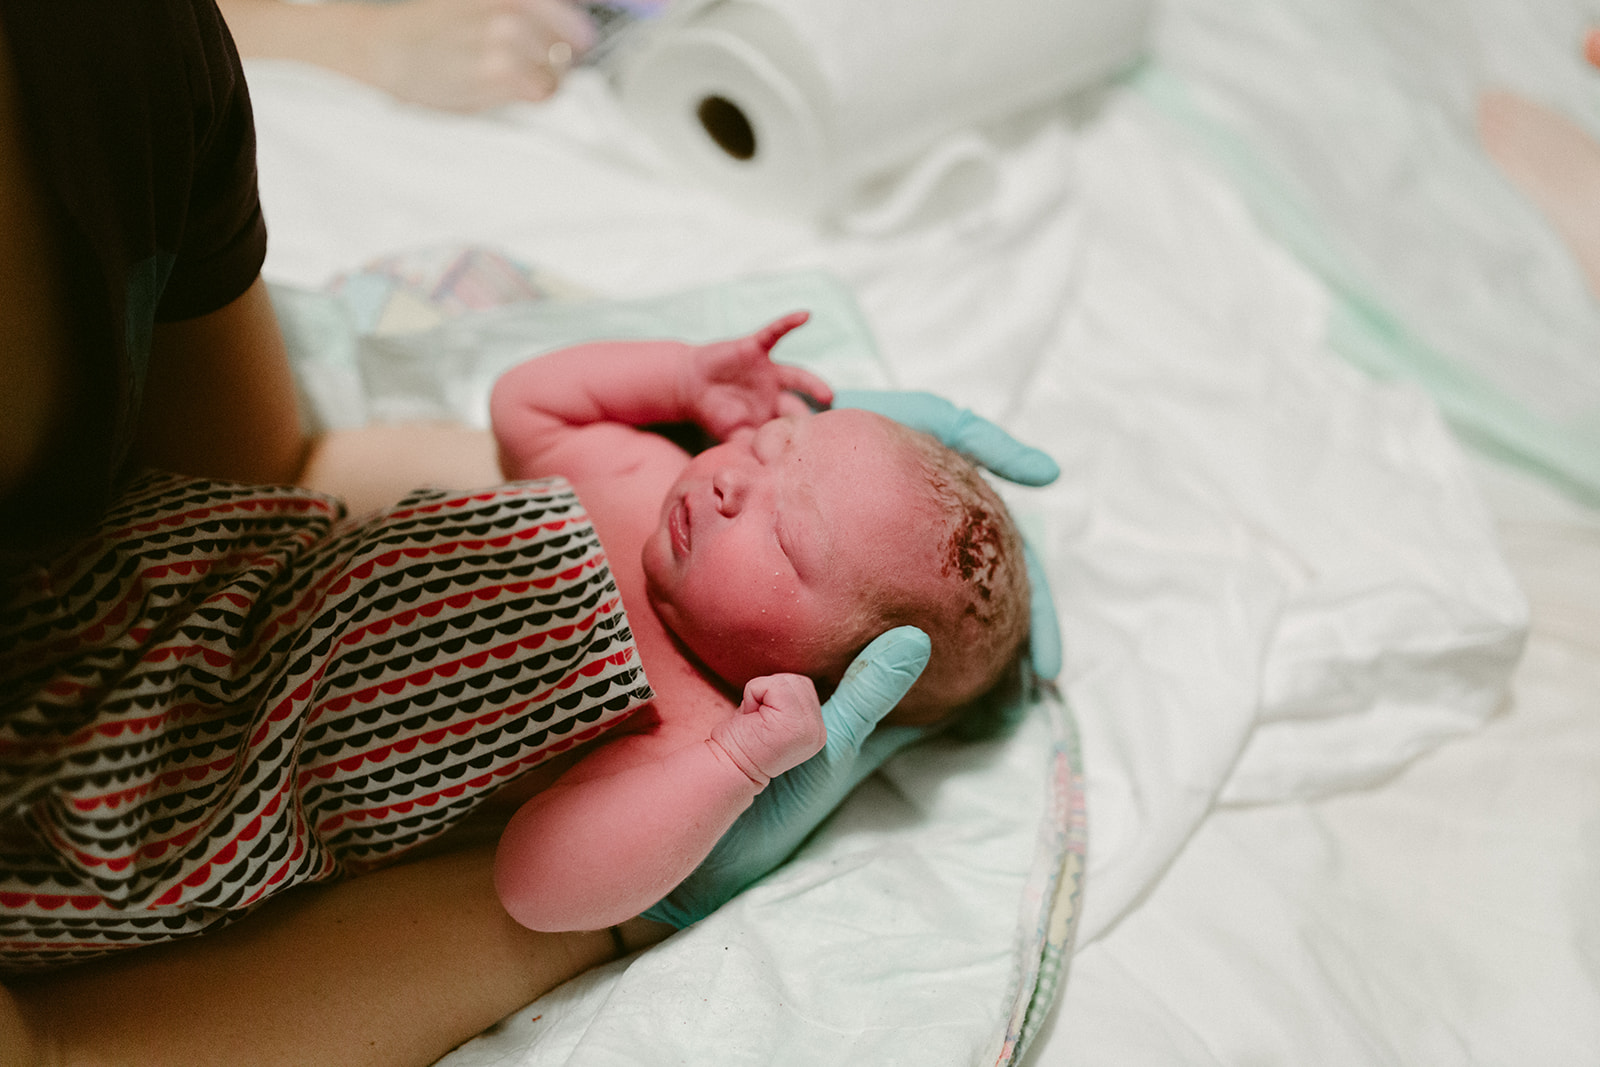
pixel 1317 780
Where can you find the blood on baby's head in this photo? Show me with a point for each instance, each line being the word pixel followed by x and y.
pixel 978 624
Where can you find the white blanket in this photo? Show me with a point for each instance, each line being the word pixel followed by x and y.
pixel 1274 577
pixel 1445 915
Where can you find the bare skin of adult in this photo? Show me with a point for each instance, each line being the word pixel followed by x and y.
pixel 392 968
pixel 395 967
pixel 1553 161
pixel 457 55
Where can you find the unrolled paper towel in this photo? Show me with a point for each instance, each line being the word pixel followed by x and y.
pixel 794 105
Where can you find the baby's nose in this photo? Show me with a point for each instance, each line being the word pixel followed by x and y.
pixel 731 487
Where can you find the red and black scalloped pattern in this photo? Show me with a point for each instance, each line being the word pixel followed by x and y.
pixel 230 690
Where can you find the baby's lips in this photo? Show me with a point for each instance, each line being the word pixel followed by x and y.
pixel 678 528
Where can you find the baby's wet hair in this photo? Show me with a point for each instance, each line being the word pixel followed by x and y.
pixel 978 649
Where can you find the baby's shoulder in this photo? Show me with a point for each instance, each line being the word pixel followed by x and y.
pixel 683 712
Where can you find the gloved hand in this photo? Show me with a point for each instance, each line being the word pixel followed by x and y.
pixel 989 446
pixel 968 433
pixel 796 802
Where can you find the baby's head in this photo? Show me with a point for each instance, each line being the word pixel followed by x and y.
pixel 790 547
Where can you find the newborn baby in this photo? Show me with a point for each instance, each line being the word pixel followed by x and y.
pixel 752 575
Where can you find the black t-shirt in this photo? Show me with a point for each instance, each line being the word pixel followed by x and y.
pixel 138 121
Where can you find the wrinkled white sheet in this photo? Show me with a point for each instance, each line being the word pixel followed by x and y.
pixel 1446 916
pixel 1275 578
pixel 1351 126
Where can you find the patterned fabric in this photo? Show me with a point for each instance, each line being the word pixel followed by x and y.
pixel 229 690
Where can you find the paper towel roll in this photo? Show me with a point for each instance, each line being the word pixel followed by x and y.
pixel 791 105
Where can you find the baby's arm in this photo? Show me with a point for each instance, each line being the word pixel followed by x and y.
pixel 537 406
pixel 614 835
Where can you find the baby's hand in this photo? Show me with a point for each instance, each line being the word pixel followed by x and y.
pixel 733 384
pixel 778 726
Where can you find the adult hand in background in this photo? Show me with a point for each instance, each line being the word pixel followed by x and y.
pixel 457 55
pixel 797 801
pixel 466 55
pixel 991 447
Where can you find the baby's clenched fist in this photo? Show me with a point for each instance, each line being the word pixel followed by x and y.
pixel 778 726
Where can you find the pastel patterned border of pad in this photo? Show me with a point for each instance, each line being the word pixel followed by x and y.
pixel 420 288
pixel 1053 898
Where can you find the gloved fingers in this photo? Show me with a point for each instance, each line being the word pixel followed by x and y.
pixel 873 684
pixel 975 436
pixel 960 429
pixel 884 742
pixel 797 801
pixel 920 411
pixel 1044 630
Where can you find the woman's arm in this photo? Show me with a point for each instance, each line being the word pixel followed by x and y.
pixel 458 55
pixel 220 403
pixel 219 399
pixel 393 968
pixel 34 346
pixel 622 828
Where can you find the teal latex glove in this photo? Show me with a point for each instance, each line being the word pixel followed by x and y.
pixel 795 803
pixel 970 434
pixel 989 446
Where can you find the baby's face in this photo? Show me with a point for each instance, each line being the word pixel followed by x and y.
pixel 771 546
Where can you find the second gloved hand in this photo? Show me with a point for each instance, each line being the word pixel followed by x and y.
pixel 797 801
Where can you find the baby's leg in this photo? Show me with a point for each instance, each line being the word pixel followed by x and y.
pixel 1555 164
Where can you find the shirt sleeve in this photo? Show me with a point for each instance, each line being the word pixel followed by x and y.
pixel 223 239
pixel 137 120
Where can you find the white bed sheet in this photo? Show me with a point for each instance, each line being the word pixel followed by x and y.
pixel 1446 917
pixel 1277 580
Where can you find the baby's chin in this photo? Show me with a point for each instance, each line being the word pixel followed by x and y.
pixel 671 619
pixel 655 559
pixel 708 655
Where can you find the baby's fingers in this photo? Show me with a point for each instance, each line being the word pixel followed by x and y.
pixel 770 334
pixel 799 380
pixel 778 726
pixel 723 413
